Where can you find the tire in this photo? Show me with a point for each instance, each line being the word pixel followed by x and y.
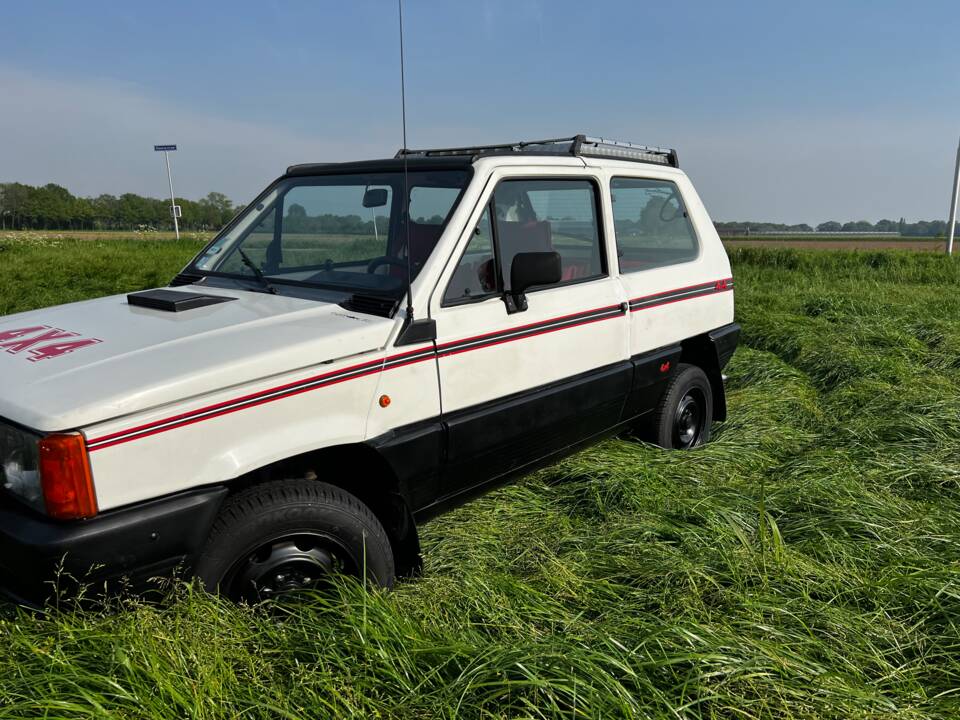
pixel 290 535
pixel 683 418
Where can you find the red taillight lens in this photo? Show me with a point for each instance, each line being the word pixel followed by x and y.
pixel 65 477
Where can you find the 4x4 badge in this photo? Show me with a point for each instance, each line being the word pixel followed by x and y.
pixel 42 342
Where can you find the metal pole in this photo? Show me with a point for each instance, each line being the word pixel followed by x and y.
pixel 952 223
pixel 173 200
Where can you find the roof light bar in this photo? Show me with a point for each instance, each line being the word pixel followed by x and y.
pixel 617 149
pixel 578 145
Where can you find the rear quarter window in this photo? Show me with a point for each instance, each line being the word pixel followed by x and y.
pixel 652 226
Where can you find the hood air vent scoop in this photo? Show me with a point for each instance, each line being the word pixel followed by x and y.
pixel 173 301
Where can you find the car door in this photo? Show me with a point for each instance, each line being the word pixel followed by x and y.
pixel 518 386
pixel 675 282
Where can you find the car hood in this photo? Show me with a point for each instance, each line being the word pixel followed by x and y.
pixel 103 358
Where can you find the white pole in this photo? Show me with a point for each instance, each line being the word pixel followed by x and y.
pixel 173 199
pixel 952 223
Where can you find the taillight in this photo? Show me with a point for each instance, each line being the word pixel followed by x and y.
pixel 65 477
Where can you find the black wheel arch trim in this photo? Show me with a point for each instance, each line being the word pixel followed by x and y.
pixel 711 352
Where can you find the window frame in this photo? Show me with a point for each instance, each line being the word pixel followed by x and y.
pixel 490 205
pixel 693 226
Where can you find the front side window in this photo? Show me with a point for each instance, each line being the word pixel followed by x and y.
pixel 345 233
pixel 545 215
pixel 475 277
pixel 652 225
pixel 530 216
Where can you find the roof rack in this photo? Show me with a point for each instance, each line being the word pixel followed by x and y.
pixel 578 145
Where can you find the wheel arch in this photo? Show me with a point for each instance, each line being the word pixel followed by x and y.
pixel 362 471
pixel 711 352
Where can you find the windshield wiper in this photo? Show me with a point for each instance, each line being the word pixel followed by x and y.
pixel 257 272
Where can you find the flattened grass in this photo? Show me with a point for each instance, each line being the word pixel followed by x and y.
pixel 804 564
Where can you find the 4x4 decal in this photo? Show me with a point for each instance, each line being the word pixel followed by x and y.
pixel 42 342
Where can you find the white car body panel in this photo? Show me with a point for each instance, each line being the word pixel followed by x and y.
pixel 147 359
pixel 174 401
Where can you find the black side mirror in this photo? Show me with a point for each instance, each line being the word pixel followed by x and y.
pixel 528 270
pixel 375 198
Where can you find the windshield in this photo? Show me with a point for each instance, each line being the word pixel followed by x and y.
pixel 339 232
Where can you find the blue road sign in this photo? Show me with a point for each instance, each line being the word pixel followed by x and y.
pixel 164 148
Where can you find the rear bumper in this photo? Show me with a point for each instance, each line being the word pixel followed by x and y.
pixel 127 548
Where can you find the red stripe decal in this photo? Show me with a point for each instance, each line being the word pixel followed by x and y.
pixel 524 327
pixel 708 288
pixel 352 372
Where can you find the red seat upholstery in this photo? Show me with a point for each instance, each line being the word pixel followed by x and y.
pixel 423 239
pixel 573 272
pixel 628 264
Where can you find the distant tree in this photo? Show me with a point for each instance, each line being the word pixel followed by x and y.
pixel 829 226
pixel 105 211
pixel 858 226
pixel 215 210
pixel 220 201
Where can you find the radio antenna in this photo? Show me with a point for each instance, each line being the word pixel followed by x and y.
pixel 406 176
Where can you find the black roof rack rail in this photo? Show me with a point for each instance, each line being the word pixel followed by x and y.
pixel 305 166
pixel 576 146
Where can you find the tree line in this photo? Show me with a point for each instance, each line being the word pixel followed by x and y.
pixel 53 207
pixel 923 228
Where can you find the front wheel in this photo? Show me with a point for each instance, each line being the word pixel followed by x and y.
pixel 683 418
pixel 292 535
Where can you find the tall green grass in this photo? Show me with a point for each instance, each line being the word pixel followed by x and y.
pixel 804 564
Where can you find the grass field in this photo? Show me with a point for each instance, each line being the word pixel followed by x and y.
pixel 804 564
pixel 50 236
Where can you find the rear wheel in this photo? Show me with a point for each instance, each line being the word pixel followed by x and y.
pixel 684 416
pixel 287 536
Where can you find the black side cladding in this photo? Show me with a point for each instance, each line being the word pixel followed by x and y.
pixel 174 301
pixel 711 353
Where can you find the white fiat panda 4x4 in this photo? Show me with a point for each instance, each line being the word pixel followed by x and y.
pixel 364 346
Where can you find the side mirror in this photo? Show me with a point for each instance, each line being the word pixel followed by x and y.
pixel 375 198
pixel 528 270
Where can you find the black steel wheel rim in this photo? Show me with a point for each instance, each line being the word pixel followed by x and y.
pixel 689 420
pixel 288 564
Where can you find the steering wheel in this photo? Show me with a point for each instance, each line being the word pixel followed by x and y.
pixel 385 260
pixel 666 204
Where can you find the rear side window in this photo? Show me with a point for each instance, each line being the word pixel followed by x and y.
pixel 651 224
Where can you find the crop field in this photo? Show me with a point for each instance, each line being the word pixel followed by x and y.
pixel 804 564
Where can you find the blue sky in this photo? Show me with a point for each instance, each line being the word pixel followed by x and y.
pixel 794 112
